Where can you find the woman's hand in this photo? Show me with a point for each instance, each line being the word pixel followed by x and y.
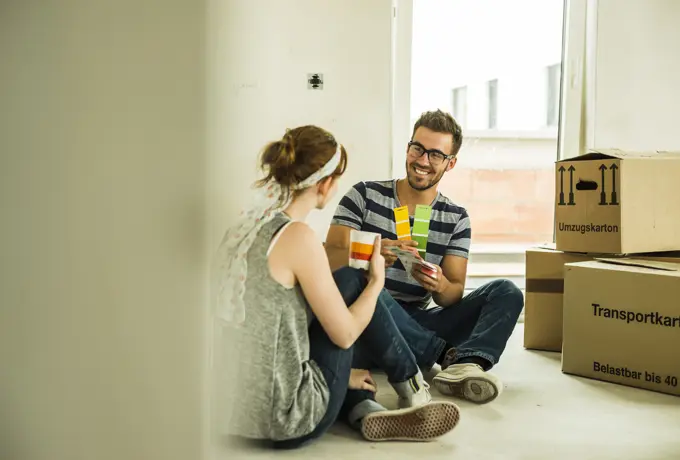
pixel 360 379
pixel 376 272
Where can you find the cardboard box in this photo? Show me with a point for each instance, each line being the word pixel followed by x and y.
pixel 614 202
pixel 543 297
pixel 622 322
pixel 544 277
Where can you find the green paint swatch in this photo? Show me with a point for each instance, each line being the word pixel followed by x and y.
pixel 421 227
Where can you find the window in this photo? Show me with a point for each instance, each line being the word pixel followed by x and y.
pixel 492 94
pixel 553 73
pixel 459 104
pixel 506 168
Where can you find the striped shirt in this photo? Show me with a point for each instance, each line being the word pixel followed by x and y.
pixel 369 206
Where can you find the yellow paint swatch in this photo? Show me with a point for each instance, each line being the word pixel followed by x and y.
pixel 403 225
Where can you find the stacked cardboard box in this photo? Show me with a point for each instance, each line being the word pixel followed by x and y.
pixel 543 296
pixel 608 293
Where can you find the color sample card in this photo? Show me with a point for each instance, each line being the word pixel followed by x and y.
pixel 421 227
pixel 403 225
pixel 361 246
pixel 409 260
pixel 406 258
pixel 361 251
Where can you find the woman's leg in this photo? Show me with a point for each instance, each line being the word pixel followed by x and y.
pixel 360 409
pixel 424 344
pixel 384 343
pixel 383 346
pixel 335 365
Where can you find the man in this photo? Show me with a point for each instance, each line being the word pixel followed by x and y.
pixel 472 330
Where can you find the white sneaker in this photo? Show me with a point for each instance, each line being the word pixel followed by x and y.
pixel 468 381
pixel 432 373
pixel 419 398
pixel 414 392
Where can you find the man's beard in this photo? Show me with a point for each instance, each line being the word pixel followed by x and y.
pixel 422 188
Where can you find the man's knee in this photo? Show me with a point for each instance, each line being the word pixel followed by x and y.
pixel 349 275
pixel 350 281
pixel 514 299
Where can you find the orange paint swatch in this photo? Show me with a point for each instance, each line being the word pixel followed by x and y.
pixel 361 251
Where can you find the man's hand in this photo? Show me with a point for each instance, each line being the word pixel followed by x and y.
pixel 390 257
pixel 445 281
pixel 431 281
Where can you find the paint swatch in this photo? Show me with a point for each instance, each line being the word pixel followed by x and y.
pixel 361 251
pixel 409 260
pixel 403 225
pixel 421 227
pixel 361 246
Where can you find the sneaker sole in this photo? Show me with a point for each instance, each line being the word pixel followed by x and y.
pixel 474 389
pixel 424 423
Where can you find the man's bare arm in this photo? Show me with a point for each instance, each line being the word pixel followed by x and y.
pixel 337 246
pixel 454 269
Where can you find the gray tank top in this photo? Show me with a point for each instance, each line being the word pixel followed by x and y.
pixel 281 394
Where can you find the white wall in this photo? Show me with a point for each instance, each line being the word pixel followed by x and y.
pixel 102 191
pixel 402 38
pixel 636 74
pixel 262 54
pixel 117 175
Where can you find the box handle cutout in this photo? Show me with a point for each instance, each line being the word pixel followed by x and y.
pixel 586 185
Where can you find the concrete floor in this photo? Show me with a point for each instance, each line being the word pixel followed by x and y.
pixel 543 414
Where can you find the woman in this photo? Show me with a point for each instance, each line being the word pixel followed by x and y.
pixel 293 334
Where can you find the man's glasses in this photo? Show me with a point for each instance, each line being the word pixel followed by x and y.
pixel 436 157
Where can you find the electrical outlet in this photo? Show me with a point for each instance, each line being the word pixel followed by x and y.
pixel 315 81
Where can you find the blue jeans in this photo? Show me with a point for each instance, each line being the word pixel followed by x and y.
pixel 381 340
pixel 478 326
